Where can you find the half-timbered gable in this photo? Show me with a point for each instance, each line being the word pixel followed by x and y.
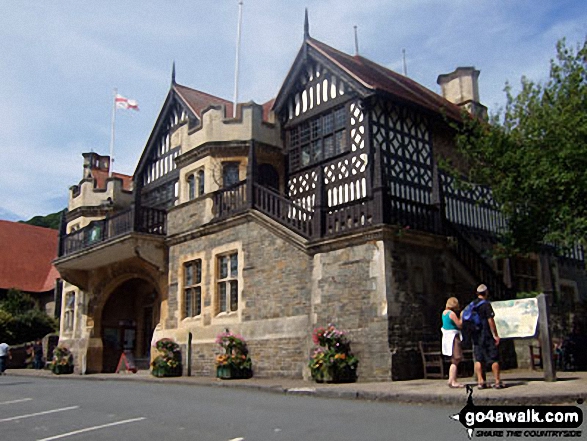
pixel 157 175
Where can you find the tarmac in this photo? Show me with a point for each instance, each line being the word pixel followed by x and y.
pixel 523 387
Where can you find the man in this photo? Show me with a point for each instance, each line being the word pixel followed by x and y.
pixel 4 354
pixel 486 342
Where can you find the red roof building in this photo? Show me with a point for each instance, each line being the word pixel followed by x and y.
pixel 26 260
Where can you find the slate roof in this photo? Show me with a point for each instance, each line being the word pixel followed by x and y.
pixel 26 256
pixel 378 78
pixel 199 101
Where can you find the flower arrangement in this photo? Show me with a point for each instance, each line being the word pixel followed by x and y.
pixel 62 361
pixel 332 360
pixel 234 361
pixel 168 363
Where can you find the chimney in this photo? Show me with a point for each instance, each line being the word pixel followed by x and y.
pixel 461 87
pixel 93 161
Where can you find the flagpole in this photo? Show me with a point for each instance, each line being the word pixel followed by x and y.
pixel 112 134
pixel 238 44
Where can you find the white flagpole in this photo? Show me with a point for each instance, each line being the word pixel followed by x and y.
pixel 112 134
pixel 238 44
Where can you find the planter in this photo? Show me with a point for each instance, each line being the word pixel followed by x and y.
pixel 62 369
pixel 229 372
pixel 166 371
pixel 344 375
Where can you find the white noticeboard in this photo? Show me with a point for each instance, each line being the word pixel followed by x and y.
pixel 516 318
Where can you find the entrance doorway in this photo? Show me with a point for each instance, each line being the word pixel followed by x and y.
pixel 128 320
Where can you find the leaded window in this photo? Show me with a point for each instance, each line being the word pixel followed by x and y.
pixel 230 174
pixel 69 311
pixel 192 272
pixel 319 138
pixel 227 282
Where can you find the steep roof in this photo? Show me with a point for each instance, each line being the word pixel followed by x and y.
pixel 26 256
pixel 375 77
pixel 199 101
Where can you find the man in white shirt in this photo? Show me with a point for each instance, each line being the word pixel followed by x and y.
pixel 4 354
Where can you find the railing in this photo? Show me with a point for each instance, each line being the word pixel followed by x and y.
pixel 283 210
pixel 231 200
pixel 414 215
pixel 146 220
pixel 350 216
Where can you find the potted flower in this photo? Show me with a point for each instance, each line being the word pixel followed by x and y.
pixel 62 362
pixel 168 362
pixel 333 360
pixel 234 361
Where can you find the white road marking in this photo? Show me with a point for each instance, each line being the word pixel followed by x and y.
pixel 38 413
pixel 16 401
pixel 89 429
pixel 237 439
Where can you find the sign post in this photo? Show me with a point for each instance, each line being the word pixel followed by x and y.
pixel 545 338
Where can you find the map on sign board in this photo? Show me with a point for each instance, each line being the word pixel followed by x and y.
pixel 516 318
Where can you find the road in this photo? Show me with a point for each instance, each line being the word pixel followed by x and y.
pixel 45 409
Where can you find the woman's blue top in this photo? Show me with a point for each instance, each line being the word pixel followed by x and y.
pixel 447 322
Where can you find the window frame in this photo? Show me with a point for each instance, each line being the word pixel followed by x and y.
pixel 192 288
pixel 227 283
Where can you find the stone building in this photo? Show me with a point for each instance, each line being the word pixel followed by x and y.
pixel 324 205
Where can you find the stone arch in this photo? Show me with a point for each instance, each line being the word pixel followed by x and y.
pixel 123 310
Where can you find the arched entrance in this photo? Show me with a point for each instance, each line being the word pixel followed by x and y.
pixel 128 320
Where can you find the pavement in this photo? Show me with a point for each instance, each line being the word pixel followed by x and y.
pixel 523 387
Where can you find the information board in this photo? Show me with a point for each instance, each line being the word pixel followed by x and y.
pixel 516 318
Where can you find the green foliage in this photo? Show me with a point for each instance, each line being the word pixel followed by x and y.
pixel 21 321
pixel 533 154
pixel 52 221
pixel 17 302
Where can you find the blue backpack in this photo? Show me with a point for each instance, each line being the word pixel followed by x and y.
pixel 471 318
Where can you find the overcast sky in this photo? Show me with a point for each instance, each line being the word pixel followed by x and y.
pixel 61 59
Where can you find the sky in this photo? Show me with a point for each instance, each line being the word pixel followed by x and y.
pixel 60 61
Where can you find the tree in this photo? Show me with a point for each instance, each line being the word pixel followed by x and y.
pixel 533 154
pixel 21 321
pixel 52 220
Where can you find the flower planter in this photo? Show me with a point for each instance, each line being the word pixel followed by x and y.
pixel 232 373
pixel 166 371
pixel 62 369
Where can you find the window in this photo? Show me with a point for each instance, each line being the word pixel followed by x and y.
pixel 200 182
pixel 192 288
pixel 227 283
pixel 191 187
pixel 319 138
pixel 229 174
pixel 69 311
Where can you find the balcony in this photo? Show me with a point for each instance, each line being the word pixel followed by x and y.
pixel 129 234
pixel 145 220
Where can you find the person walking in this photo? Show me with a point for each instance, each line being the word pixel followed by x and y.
pixel 38 354
pixel 451 340
pixel 486 341
pixel 4 356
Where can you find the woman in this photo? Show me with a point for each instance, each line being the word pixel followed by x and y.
pixel 451 340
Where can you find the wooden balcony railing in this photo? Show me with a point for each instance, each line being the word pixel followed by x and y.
pixel 144 220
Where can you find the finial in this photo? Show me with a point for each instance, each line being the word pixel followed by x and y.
pixel 173 73
pixel 356 41
pixel 306 26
